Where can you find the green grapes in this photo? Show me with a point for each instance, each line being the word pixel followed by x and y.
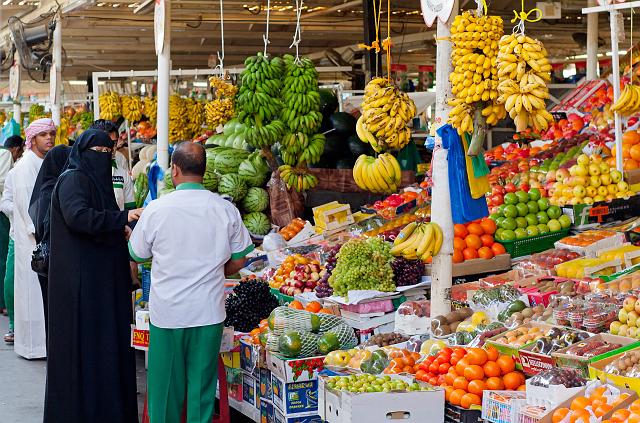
pixel 363 264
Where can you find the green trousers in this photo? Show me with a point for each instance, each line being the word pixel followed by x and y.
pixel 4 249
pixel 8 283
pixel 183 363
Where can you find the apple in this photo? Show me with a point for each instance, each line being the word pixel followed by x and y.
pixel 591 191
pixel 614 327
pixel 594 169
pixel 595 158
pixel 561 175
pixel 579 191
pixel 636 307
pixel 610 197
pixel 632 332
pixel 622 315
pixel 551 176
pixel 587 200
pixel 565 221
pixel 632 318
pixel 581 170
pixel 598 198
pixel 604 168
pixel 554 225
pixel 603 191
pixel 629 303
pixel 583 159
pixel 595 181
pixel 580 180
pixel 622 185
pixel 622 330
pixel 616 176
pixel 605 178
pixel 613 189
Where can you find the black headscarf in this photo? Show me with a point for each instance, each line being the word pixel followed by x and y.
pixel 52 166
pixel 94 164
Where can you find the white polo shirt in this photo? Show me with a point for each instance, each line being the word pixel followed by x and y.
pixel 190 234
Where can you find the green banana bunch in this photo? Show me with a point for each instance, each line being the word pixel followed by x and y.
pixel 297 178
pixel 110 106
pixel 131 108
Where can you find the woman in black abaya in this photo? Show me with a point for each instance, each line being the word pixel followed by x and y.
pixel 91 367
pixel 52 166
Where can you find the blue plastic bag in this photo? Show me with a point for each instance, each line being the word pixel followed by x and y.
pixel 9 129
pixel 155 174
pixel 464 208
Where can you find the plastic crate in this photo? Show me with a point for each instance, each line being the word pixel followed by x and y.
pixel 501 406
pixel 533 244
pixel 455 414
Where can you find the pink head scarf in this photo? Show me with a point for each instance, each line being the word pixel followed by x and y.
pixel 37 127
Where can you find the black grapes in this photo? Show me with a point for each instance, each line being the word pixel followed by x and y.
pixel 407 272
pixel 249 303
pixel 323 289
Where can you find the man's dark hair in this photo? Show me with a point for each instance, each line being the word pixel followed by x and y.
pixel 190 157
pixel 14 141
pixel 105 126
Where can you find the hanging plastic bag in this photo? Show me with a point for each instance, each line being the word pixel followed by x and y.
pixel 155 175
pixel 10 129
pixel 478 184
pixel 464 208
pixel 408 157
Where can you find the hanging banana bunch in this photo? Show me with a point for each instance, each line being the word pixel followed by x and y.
pixel 151 109
pixel 62 132
pixel 195 116
pixel 110 106
pixel 222 108
pixel 474 80
pixel 132 108
pixel 178 117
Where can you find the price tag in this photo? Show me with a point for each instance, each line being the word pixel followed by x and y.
pixel 140 339
pixel 158 25
pixel 599 211
pixel 432 9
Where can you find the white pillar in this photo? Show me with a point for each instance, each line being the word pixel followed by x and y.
pixel 615 74
pixel 17 112
pixel 592 44
pixel 441 203
pixel 96 96
pixel 55 78
pixel 164 70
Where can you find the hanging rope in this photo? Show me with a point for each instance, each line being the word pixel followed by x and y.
pixel 220 65
pixel 386 43
pixel 265 37
pixel 297 35
pixel 375 45
pixel 482 7
pixel 631 50
pixel 522 17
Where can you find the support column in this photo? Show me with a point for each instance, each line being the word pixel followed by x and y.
pixel 164 70
pixel 615 74
pixel 55 78
pixel 592 44
pixel 96 96
pixel 440 200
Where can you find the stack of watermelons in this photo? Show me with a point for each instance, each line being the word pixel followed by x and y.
pixel 342 146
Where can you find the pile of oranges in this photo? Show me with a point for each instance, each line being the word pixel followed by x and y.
pixel 263 327
pixel 475 240
pixel 403 361
pixel 465 373
pixel 312 307
pixel 630 151
pixel 597 405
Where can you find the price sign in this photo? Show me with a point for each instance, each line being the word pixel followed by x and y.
pixel 158 25
pixel 140 339
pixel 432 9
pixel 14 81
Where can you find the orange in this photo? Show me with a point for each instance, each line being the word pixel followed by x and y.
pixel 470 253
pixel 476 356
pixel 450 378
pixel 559 415
pixel 264 325
pixel 459 244
pixel 598 392
pixel 476 387
pixel 635 152
pixel 495 384
pixel 460 383
pixel 492 353
pixel 620 415
pixel 512 380
pixel 325 311
pixel 602 409
pixel 473 241
pixel 634 418
pixel 630 164
pixel 296 304
pixel 487 240
pixel 631 137
pixel 460 230
pixel 522 388
pixel 447 392
pixel 488 226
pixel 580 403
pixel 458 257
pixel 485 253
pixel 473 372
pixel 491 369
pixel 468 400
pixel 461 365
pixel 498 249
pixel 580 416
pixel 475 229
pixel 456 396
pixel 635 406
pixel 626 151
pixel 611 161
pixel 506 363
pixel 313 307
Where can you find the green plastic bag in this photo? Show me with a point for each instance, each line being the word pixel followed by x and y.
pixel 9 129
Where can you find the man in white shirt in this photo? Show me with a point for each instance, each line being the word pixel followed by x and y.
pixel 195 238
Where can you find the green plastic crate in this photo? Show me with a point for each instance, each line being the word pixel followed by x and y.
pixel 533 244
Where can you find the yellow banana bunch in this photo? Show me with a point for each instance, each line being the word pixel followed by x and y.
pixel 524 71
pixel 222 88
pixel 381 175
pixel 629 101
pixel 62 132
pixel 196 116
pixel 3 117
pixel 178 118
pixel 132 108
pixel 110 106
pixel 151 109
pixel 418 240
pixel 297 178
pixel 386 111
pixel 219 111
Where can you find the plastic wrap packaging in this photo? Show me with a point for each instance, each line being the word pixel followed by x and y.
pixel 591 348
pixel 556 339
pixel 446 325
pixel 412 317
pixel 545 262
pixel 386 339
pixel 628 365
pixel 414 344
pixel 536 313
pixel 569 378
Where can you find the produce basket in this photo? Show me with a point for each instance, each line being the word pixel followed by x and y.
pixel 501 406
pixel 533 244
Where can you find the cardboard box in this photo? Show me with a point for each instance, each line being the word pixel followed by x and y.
pixel 251 356
pixel 596 371
pixel 618 209
pixel 380 407
pixel 266 412
pixel 266 388
pixel 512 351
pixel 249 389
pixel 234 383
pixel 231 359
pixel 298 418
pixel 582 363
pixel 478 266
pixel 533 362
pixel 295 398
pixel 295 370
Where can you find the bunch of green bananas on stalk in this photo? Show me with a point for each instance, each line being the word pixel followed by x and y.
pixel 299 149
pixel 36 111
pixel 85 119
pixel 297 178
pixel 380 175
pixel 151 109
pixel 132 108
pixel 386 111
pixel 178 116
pixel 195 116
pixel 110 106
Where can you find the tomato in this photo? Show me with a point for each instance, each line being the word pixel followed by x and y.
pixel 423 366
pixel 433 381
pixel 444 368
pixel 433 368
pixel 454 360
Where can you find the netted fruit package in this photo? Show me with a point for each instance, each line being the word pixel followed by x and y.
pixel 284 318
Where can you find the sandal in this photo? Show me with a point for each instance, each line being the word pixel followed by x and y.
pixel 8 338
pixel 4 312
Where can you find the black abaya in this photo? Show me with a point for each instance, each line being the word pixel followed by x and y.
pixel 91 367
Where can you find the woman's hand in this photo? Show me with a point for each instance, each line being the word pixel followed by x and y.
pixel 134 214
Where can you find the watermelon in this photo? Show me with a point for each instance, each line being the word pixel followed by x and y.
pixel 168 182
pixel 328 101
pixel 256 200
pixel 358 147
pixel 254 169
pixel 345 163
pixel 229 160
pixel 210 179
pixel 257 223
pixel 232 185
pixel 344 123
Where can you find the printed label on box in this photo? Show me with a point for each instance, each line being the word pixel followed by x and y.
pixel 266 389
pixel 266 412
pixel 533 363
pixel 140 339
pixel 296 397
pixel 306 418
pixel 249 389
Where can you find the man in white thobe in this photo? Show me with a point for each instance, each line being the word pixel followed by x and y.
pixel 30 338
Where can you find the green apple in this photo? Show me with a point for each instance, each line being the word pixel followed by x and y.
pixel 498 233
pixel 508 235
pixel 543 228
pixel 521 222
pixel 542 217
pixel 579 191
pixel 523 197
pixel 499 221
pixel 510 211
pixel 616 176
pixel 509 223
pixel 534 194
pixel 554 212
pixel 606 179
pixel 543 204
pixel 494 216
pixel 603 191
pixel 521 233
pixel 533 206
pixel 532 230
pixel 531 219
pixel 522 208
pixel 613 190
pixel 510 198
pixel 554 225
pixel 565 221
pixel 583 159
